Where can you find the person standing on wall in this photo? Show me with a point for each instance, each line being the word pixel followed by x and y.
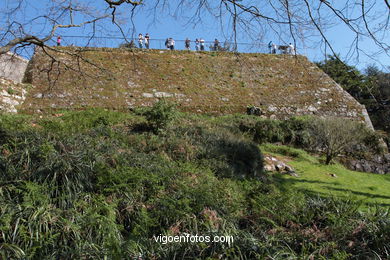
pixel 167 44
pixel 216 45
pixel 270 44
pixel 201 44
pixel 197 46
pixel 171 44
pixel 59 41
pixel 140 41
pixel 273 48
pixel 291 49
pixel 187 44
pixel 147 40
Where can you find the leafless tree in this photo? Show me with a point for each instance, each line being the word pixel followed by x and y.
pixel 304 22
pixel 333 136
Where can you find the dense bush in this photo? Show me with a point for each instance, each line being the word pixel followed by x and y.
pixel 86 185
pixel 160 115
pixel 294 131
pixel 331 136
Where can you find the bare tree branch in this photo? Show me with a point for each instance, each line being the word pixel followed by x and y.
pixel 119 2
pixel 387 3
pixel 304 22
pixel 40 42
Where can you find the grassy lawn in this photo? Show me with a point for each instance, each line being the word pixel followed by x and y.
pixel 315 178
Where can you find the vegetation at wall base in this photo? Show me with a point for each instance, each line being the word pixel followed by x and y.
pixel 101 184
pixel 371 88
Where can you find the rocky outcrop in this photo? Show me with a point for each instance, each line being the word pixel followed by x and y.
pixel 12 67
pixel 12 95
pixel 378 164
pixel 273 164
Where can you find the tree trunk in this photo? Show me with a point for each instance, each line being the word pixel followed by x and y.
pixel 328 159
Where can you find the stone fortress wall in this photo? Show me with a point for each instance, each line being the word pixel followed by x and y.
pixel 280 86
pixel 271 86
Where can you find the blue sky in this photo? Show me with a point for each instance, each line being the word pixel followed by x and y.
pixel 168 22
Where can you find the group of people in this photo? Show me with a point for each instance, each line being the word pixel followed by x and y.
pixel 285 49
pixel 143 39
pixel 170 43
pixel 200 45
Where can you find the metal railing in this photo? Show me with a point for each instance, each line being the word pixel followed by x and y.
pixel 116 42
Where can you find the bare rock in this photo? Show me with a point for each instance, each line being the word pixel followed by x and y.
pixel 280 167
pixel 288 168
pixel 272 164
pixel 12 94
pixel 147 95
pixel 253 110
pixel 269 167
pixel 162 94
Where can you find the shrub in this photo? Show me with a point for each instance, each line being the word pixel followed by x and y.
pixel 268 131
pixel 291 131
pixel 10 91
pixel 296 131
pixel 160 115
pixel 130 45
pixel 332 136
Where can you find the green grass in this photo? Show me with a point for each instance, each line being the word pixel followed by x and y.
pixel 98 184
pixel 315 178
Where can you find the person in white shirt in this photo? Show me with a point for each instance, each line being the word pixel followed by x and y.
pixel 140 41
pixel 171 43
pixel 291 49
pixel 274 47
pixel 147 39
pixel 201 44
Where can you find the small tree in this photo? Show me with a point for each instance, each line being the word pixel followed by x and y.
pixel 334 135
pixel 160 115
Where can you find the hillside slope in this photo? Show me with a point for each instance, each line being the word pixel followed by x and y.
pixel 101 184
pixel 206 82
